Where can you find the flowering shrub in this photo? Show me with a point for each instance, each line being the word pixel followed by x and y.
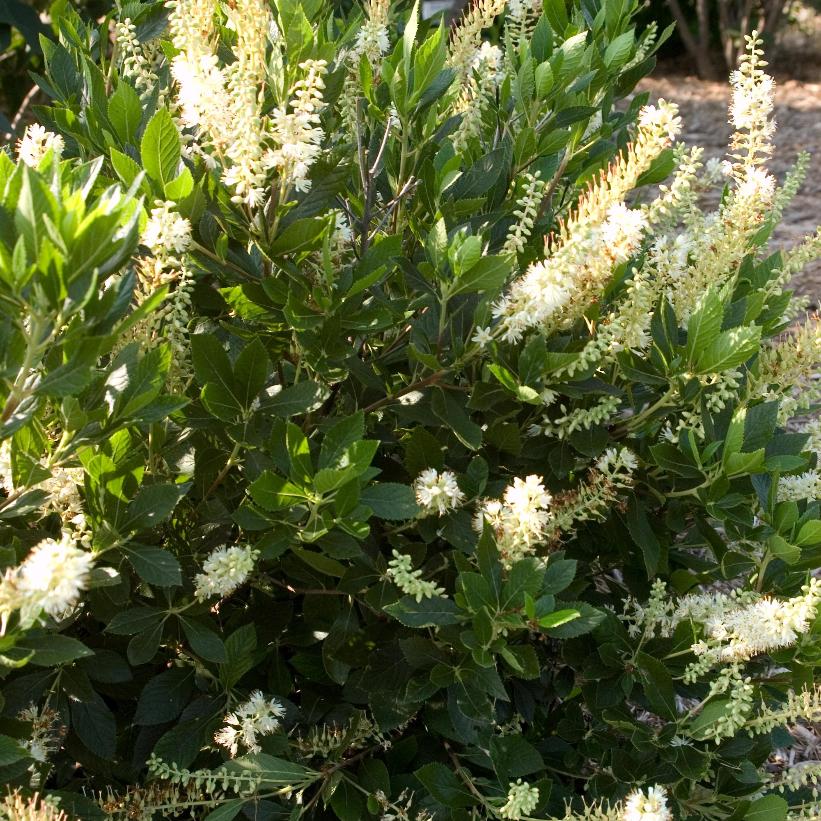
pixel 376 442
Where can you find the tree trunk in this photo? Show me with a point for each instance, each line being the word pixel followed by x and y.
pixel 698 49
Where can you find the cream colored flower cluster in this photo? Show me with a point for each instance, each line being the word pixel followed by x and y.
pixel 410 581
pixel 466 40
pixel 255 717
pixel 478 90
pixel 223 104
pixel 805 485
pixel 522 799
pixel 63 487
pixel 600 234
pixel 788 370
pixel 36 142
pixel 224 571
pixel 136 60
pixel 647 806
pixel 737 625
pixel 48 582
pixel 640 805
pixel 437 492
pixel 592 498
pixel 372 39
pixel 519 520
pixel 526 212
pixel 167 234
pixel 751 108
pixel 298 133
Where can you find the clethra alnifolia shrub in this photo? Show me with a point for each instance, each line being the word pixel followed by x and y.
pixel 390 431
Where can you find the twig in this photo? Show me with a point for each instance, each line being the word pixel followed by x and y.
pixel 33 92
pixel 422 383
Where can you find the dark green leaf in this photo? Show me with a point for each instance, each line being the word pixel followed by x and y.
pixel 389 500
pixel 164 696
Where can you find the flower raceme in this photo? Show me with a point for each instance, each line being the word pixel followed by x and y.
pixel 224 571
pixel 522 799
pixel 49 582
pixel 223 104
pixel 600 233
pixel 255 717
pixel 437 492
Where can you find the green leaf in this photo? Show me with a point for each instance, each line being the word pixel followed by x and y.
pixel 481 176
pixel 448 409
pixel 618 51
pixel 544 80
pixel 444 785
pixel 11 751
pixel 431 612
pixel 514 757
pixel 737 464
pixel 524 578
pixel 210 361
pixel 160 148
pixel 782 549
pixel 54 649
pixel 428 61
pixel 489 274
pixel 319 562
pixel 180 187
pixel 339 437
pixel 355 460
pixel 71 377
pixel 658 686
pixel 252 370
pixel 767 808
pixel 152 504
pixel 589 618
pixel 95 726
pixel 731 349
pixel 164 696
pixel 154 565
pixel 810 533
pixel 299 237
pixel 558 576
pixel 227 811
pixel 670 458
pixel 134 620
pixel 204 642
pixel 409 37
pixel 144 646
pixel 221 402
pixel 273 492
pixel 125 168
pixel 643 535
pixel 760 423
pixel 705 324
pixel 125 111
pixel 300 398
pixel 389 500
pixel 558 617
